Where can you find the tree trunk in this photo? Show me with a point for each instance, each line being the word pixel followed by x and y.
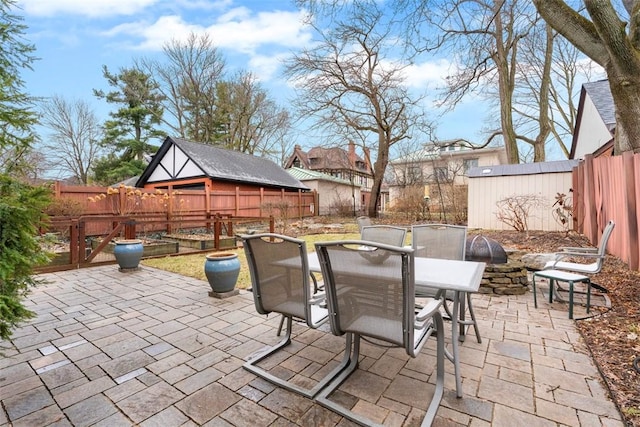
pixel 625 91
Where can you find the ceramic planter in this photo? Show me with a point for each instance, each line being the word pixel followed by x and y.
pixel 128 253
pixel 222 271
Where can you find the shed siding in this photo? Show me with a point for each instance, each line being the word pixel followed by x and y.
pixel 485 192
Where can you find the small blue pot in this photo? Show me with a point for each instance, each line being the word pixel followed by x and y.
pixel 222 271
pixel 128 253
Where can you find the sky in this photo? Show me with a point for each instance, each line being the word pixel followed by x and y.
pixel 75 38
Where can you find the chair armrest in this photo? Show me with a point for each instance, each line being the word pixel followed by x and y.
pixel 560 255
pixel 317 298
pixel 426 313
pixel 578 249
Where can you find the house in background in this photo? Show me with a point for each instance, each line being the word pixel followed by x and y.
pixel 339 163
pixel 444 162
pixel 182 164
pixel 595 121
pixel 335 195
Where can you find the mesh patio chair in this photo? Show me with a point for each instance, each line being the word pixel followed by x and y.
pixel 583 256
pixel 387 234
pixel 375 300
pixel 581 261
pixel 445 241
pixel 363 221
pixel 280 283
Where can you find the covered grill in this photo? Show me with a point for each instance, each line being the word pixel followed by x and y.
pixel 483 249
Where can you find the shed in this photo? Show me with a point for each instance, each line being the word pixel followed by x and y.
pixel 335 195
pixel 183 164
pixel 491 184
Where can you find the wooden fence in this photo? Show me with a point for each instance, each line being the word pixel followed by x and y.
pixel 176 206
pixel 86 250
pixel 605 188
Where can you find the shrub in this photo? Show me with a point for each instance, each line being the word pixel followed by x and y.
pixel 21 208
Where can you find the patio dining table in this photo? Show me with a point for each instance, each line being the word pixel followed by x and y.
pixel 455 276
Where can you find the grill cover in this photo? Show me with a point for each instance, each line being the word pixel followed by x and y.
pixel 483 249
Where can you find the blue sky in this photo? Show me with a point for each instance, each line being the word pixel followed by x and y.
pixel 75 38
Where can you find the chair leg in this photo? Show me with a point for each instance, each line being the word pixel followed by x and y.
pixel 535 297
pixel 251 366
pixel 280 327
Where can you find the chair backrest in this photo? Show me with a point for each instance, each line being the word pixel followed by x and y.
pixel 374 299
pixel 279 274
pixel 386 234
pixel 606 233
pixel 441 241
pixel 363 221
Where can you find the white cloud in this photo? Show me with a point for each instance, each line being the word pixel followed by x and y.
pixel 427 73
pixel 90 8
pixel 265 67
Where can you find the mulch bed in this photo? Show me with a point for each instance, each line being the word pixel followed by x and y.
pixel 613 336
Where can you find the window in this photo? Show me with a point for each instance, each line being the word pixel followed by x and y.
pixel 470 163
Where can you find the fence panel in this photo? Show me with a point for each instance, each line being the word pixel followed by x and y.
pixel 605 189
pixel 173 205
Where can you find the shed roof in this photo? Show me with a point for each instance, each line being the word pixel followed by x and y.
pixel 558 166
pixel 221 164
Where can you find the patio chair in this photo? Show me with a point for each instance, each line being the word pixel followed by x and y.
pixel 445 241
pixel 363 221
pixel 582 256
pixel 280 283
pixel 387 234
pixel 375 301
pixel 584 262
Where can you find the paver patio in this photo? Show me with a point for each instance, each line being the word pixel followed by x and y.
pixel 151 348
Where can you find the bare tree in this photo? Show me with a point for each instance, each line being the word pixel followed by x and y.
pixel 250 121
pixel 188 78
pixel 614 44
pixel 351 87
pixel 73 143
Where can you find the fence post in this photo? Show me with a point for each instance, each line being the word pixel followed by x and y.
pixel 82 243
pixel 73 242
pixel 130 229
pixel 261 200
pixel 272 224
pixel 122 199
pixel 217 228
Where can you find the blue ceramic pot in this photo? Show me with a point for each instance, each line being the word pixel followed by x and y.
pixel 128 253
pixel 222 271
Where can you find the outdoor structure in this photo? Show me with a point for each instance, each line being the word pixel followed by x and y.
pixel 444 162
pixel 335 195
pixel 181 164
pixel 339 163
pixel 533 184
pixel 595 121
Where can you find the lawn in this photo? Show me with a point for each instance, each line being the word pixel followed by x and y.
pixel 193 265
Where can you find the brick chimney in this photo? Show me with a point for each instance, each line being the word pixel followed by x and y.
pixel 352 155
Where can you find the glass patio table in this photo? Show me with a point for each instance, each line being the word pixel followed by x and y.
pixel 455 276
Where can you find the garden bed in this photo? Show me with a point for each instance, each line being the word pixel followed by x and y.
pixel 150 247
pixel 200 241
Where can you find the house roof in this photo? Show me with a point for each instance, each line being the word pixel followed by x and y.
pixel 332 158
pixel 309 175
pixel 600 94
pixel 559 166
pixel 432 151
pixel 216 163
